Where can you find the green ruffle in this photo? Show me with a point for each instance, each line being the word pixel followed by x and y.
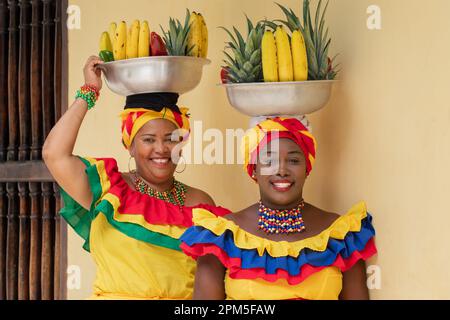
pixel 80 219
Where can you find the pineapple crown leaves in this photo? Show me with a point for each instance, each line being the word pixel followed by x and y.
pixel 245 64
pixel 316 38
pixel 176 37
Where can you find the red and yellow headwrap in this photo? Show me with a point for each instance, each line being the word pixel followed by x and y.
pixel 259 136
pixel 134 119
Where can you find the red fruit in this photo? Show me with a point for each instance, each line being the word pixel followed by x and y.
pixel 224 75
pixel 157 46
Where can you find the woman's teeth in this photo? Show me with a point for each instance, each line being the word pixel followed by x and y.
pixel 161 161
pixel 282 185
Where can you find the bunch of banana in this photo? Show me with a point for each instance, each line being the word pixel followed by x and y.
pixel 120 43
pixel 198 36
pixel 284 60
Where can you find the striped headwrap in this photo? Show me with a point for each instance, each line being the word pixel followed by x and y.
pixel 135 119
pixel 140 109
pixel 259 136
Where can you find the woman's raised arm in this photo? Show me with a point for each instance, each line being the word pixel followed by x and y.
pixel 67 169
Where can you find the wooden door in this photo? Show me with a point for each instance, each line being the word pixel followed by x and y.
pixel 33 95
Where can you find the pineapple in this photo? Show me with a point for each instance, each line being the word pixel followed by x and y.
pixel 245 65
pixel 176 38
pixel 317 42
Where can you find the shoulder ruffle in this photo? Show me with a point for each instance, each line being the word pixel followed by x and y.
pixel 349 239
pixel 136 215
pixel 349 222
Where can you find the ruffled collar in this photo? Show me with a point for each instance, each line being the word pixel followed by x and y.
pixel 348 222
pixel 132 202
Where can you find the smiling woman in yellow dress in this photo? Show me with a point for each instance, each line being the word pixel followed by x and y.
pixel 131 222
pixel 281 247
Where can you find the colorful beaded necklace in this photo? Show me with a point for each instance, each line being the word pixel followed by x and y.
pixel 273 221
pixel 176 195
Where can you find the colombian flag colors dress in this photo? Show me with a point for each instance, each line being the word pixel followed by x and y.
pixel 132 237
pixel 262 269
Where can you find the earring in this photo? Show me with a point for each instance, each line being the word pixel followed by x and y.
pixel 129 170
pixel 184 160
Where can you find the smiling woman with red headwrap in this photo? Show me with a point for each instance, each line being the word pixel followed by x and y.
pixel 131 222
pixel 281 247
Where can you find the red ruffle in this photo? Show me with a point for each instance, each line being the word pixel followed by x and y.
pixel 236 272
pixel 153 210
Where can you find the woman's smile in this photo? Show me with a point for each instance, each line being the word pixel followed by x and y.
pixel 160 162
pixel 281 185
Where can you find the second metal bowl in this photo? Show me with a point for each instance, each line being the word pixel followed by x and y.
pixel 279 98
pixel 153 74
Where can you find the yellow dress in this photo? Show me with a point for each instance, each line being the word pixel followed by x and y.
pixel 133 238
pixel 262 269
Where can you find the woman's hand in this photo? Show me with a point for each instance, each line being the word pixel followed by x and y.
pixel 93 75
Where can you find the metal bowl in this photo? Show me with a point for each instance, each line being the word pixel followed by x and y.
pixel 153 74
pixel 279 98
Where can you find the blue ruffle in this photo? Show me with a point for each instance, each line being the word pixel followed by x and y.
pixel 353 241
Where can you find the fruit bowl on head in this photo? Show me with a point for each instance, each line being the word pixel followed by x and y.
pixel 279 98
pixel 177 74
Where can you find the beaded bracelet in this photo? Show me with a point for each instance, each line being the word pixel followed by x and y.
pixel 89 94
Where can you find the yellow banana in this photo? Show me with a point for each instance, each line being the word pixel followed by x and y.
pixel 128 45
pixel 195 35
pixel 133 40
pixel 269 57
pixel 120 44
pixel 299 56
pixel 144 40
pixel 285 70
pixel 204 51
pixel 112 32
pixel 105 42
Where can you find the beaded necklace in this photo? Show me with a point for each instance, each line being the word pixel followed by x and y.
pixel 176 195
pixel 273 221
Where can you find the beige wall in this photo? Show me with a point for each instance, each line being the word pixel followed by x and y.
pixel 383 138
